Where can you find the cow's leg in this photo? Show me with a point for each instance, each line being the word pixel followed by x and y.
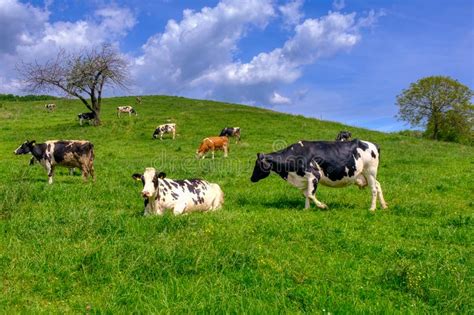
pixel 80 121
pixel 380 194
pixel 91 171
pixel 212 151
pixel 157 209
pixel 179 208
pixel 161 136
pixel 174 134
pixel 71 171
pixel 226 150
pixel 313 180
pixel 373 188
pixel 50 169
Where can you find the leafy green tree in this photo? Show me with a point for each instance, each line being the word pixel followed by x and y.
pixel 440 104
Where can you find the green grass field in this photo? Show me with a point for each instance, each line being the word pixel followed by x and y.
pixel 79 247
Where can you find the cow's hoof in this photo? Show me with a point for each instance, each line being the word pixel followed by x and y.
pixel 372 210
pixel 323 206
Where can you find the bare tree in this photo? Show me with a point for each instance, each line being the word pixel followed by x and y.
pixel 83 75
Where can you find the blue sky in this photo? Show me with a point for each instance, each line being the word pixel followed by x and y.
pixel 337 60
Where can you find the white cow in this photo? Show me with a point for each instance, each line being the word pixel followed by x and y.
pixel 50 107
pixel 182 196
pixel 126 109
pixel 165 128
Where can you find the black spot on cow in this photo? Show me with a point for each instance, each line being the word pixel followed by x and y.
pixel 174 195
pixel 167 184
pixel 155 181
pixel 364 146
pixel 373 154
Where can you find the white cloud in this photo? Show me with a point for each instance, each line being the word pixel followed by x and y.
pixel 291 12
pixel 314 38
pixel 201 41
pixel 20 24
pixel 338 5
pixel 27 35
pixel 278 99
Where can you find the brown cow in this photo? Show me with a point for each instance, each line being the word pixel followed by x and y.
pixel 212 144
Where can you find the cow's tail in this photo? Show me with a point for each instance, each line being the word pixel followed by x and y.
pixel 91 160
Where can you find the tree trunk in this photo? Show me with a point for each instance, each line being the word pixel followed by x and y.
pixel 96 107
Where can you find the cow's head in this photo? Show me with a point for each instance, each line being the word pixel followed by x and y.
pixel 202 150
pixel 150 181
pixel 25 148
pixel 262 168
pixel 157 132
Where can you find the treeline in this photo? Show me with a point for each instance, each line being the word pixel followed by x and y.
pixel 26 98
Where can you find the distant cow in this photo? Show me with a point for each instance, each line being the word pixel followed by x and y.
pixel 138 100
pixel 165 128
pixel 335 164
pixel 68 153
pixel 90 116
pixel 50 107
pixel 231 132
pixel 212 144
pixel 344 136
pixel 182 196
pixel 126 109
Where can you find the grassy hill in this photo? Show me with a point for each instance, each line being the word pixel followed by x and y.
pixel 76 248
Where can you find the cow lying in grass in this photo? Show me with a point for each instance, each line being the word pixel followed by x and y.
pixel 182 196
pixel 68 153
pixel 212 144
pixel 344 136
pixel 336 164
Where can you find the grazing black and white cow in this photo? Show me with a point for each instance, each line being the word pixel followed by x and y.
pixel 182 196
pixel 344 136
pixel 231 132
pixel 50 107
pixel 165 128
pixel 126 109
pixel 68 153
pixel 336 164
pixel 90 116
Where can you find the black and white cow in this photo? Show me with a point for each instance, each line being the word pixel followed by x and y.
pixel 344 136
pixel 165 128
pixel 182 196
pixel 90 116
pixel 126 109
pixel 336 164
pixel 231 132
pixel 68 153
pixel 50 107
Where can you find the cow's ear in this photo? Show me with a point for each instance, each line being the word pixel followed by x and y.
pixel 260 156
pixel 32 142
pixel 137 176
pixel 161 175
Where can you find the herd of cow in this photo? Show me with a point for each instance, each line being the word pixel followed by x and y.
pixel 304 165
